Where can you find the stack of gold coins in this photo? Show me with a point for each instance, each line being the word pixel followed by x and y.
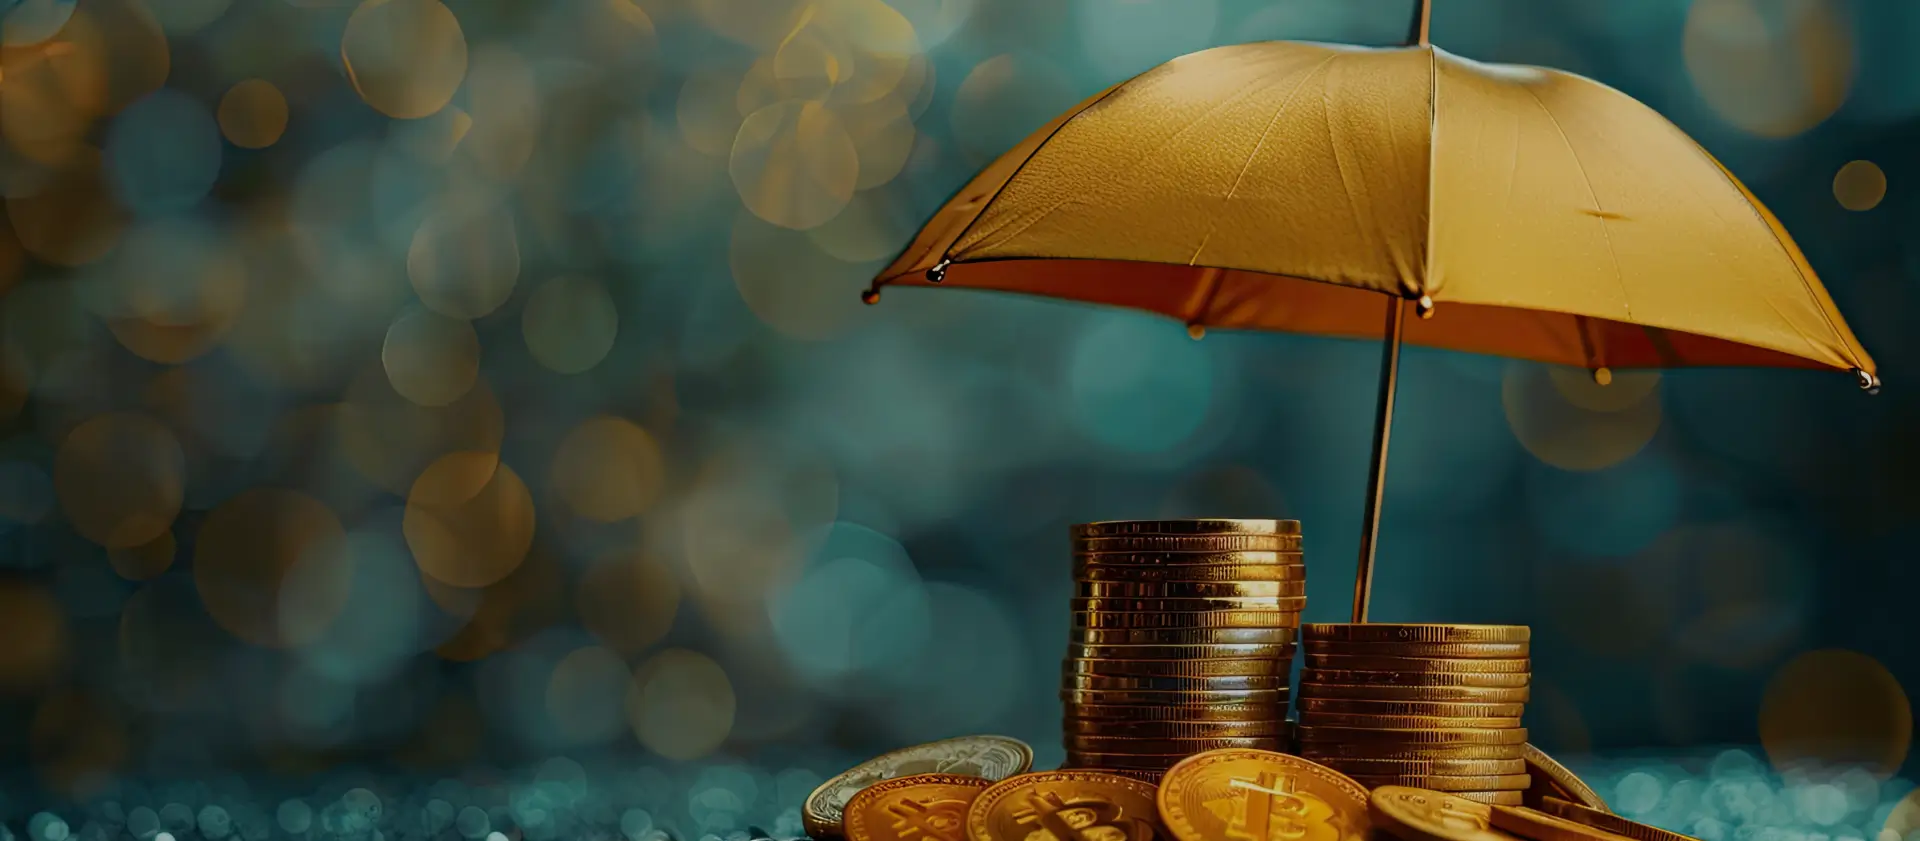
pixel 1435 707
pixel 1182 642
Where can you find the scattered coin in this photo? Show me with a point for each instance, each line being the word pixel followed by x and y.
pixel 922 807
pixel 1256 795
pixel 1412 814
pixel 1551 779
pixel 1540 826
pixel 1492 798
pixel 1065 806
pixel 1608 822
pixel 989 757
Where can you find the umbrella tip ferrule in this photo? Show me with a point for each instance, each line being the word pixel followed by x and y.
pixel 870 296
pixel 1424 306
pixel 1196 332
pixel 1869 382
pixel 938 273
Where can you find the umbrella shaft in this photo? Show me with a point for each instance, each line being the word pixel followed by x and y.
pixel 1377 476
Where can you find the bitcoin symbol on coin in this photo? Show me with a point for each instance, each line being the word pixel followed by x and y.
pixel 1054 819
pixel 1270 811
pixel 933 820
pixel 1452 815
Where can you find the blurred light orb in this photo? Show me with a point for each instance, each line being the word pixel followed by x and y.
pixel 469 519
pixel 1859 186
pixel 146 561
pixel 121 479
pixel 1002 100
pixel 794 164
pixel 472 823
pixel 503 104
pixel 253 114
pixel 174 286
pixel 1637 793
pixel 35 628
pixel 883 136
pixel 1822 804
pixel 1773 68
pixel 569 323
pixel 876 225
pixel 1124 37
pixel 406 58
pixel 705 112
pixel 185 17
pixel 855 613
pixel 390 440
pixel 1603 390
pixel 791 284
pixel 163 152
pixel 1832 708
pixel 680 704
pixel 628 600
pixel 74 218
pixel 1139 385
pixel 431 359
pixel 385 619
pixel 28 22
pixel 934 21
pixel 46 826
pixel 585 695
pixel 608 469
pixel 272 566
pixel 1562 433
pixel 465 257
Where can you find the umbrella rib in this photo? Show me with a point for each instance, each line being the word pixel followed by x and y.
pixel 1259 145
pixel 1606 233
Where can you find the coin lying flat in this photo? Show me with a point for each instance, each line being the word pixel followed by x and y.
pixel 1450 694
pixel 1460 736
pixel 1282 604
pixel 1238 667
pixel 1448 650
pixel 1540 826
pixel 1109 528
pixel 1135 568
pixel 1376 750
pixel 1414 767
pixel 1255 795
pixel 1065 806
pixel 1223 651
pixel 1415 633
pixel 1174 684
pixel 1608 822
pixel 1357 678
pixel 1187 620
pixel 922 807
pixel 1222 713
pixel 1190 589
pixel 1412 814
pixel 1144 543
pixel 1441 709
pixel 1451 665
pixel 1492 798
pixel 1449 782
pixel 1406 722
pixel 1551 779
pixel 1267 635
pixel 989 757
pixel 1174 729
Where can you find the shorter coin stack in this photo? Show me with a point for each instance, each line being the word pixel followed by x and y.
pixel 1182 640
pixel 1436 707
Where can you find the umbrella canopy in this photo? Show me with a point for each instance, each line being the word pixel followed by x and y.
pixel 1533 213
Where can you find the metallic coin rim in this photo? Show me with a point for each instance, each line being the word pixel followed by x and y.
pixel 1555 774
pixel 1535 824
pixel 1407 722
pixel 812 808
pixel 1204 604
pixel 1188 771
pixel 1196 525
pixel 1071 726
pixel 1317 751
pixel 1447 783
pixel 1182 745
pixel 1438 694
pixel 1608 821
pixel 1358 766
pixel 853 819
pixel 1156 652
pixel 1296 589
pixel 1376 735
pixel 1415 632
pixel 1175 698
pixel 1198 620
pixel 1517 708
pixel 977 813
pixel 1386 807
pixel 1194 573
pixel 1448 650
pixel 1476 680
pixel 1174 683
pixel 1222 667
pixel 1162 713
pixel 1432 665
pixel 1235 636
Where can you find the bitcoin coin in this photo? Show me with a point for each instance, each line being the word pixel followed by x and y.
pixel 1173 684
pixel 1380 750
pixel 1104 568
pixel 989 757
pixel 1110 528
pixel 1155 543
pixel 1370 767
pixel 923 807
pixel 1136 697
pixel 1065 806
pixel 1352 678
pixel 1174 729
pixel 1226 651
pixel 1361 735
pixel 1176 668
pixel 1189 589
pixel 1224 713
pixel 1255 795
pixel 1448 650
pixel 1361 706
pixel 1492 798
pixel 1449 694
pixel 1551 779
pixel 1608 822
pixel 1148 776
pixel 1284 604
pixel 1136 746
pixel 1214 619
pixel 1540 826
pixel 1416 633
pixel 1181 636
pixel 1439 782
pixel 1405 722
pixel 1412 814
pixel 1449 665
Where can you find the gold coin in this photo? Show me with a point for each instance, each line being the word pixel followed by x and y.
pixel 1211 713
pixel 1288 604
pixel 1493 798
pixel 1065 806
pixel 1176 668
pixel 1449 650
pixel 1173 729
pixel 1173 684
pixel 1151 543
pixel 1135 697
pixel 1149 776
pixel 1608 822
pixel 1419 767
pixel 1225 651
pixel 1317 751
pixel 1452 665
pixel 1357 706
pixel 923 807
pixel 1208 567
pixel 1141 746
pixel 1406 722
pixel 1449 694
pixel 1415 633
pixel 1412 814
pixel 1180 636
pixel 1540 826
pixel 1111 528
pixel 1353 678
pixel 1190 589
pixel 1459 736
pixel 990 757
pixel 1448 782
pixel 1253 795
pixel 1551 779
pixel 1212 619
pixel 1124 761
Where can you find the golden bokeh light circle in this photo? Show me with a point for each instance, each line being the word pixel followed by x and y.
pixel 272 566
pixel 608 469
pixel 628 600
pixel 146 561
pixel 569 324
pixel 1604 390
pixel 390 439
pixel 1859 186
pixel 792 285
pixel 431 359
pixel 503 104
pixel 35 629
pixel 1566 435
pixel 681 704
pixel 121 479
pixel 406 58
pixel 253 114
pixel 532 598
pixel 1834 708
pixel 73 219
pixel 1772 69
pixel 469 519
pixel 585 679
pixel 464 259
pixel 794 164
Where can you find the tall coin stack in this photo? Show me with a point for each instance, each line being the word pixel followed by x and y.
pixel 1427 706
pixel 1182 641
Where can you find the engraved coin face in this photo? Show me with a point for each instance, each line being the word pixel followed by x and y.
pixel 1420 815
pixel 987 757
pixel 923 807
pixel 1065 806
pixel 1257 795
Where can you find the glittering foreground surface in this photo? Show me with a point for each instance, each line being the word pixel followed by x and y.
pixel 1717 795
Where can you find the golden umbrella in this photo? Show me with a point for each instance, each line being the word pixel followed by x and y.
pixel 1525 212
